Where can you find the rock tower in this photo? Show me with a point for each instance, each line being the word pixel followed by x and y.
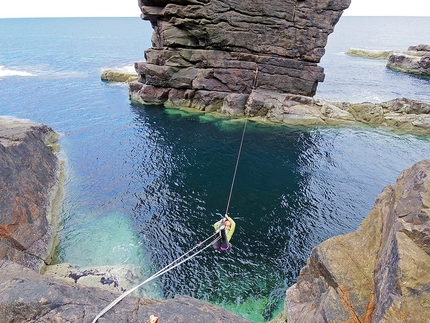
pixel 210 53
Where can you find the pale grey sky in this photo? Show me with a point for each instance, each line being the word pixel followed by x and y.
pixel 129 8
pixel 388 8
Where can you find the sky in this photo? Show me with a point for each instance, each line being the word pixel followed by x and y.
pixel 129 8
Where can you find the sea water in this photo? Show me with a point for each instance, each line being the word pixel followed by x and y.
pixel 145 184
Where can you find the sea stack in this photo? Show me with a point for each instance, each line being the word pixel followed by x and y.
pixel 211 54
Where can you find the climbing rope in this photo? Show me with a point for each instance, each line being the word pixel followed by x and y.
pixel 254 85
pixel 162 271
pixel 237 165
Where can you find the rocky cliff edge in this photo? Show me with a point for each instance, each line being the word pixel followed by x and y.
pixel 378 274
pixel 29 183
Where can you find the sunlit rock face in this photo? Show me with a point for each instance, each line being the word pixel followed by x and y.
pixel 29 174
pixel 202 51
pixel 377 274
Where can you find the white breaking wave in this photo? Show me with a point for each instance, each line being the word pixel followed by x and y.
pixel 8 72
pixel 126 69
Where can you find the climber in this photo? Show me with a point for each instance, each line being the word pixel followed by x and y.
pixel 226 228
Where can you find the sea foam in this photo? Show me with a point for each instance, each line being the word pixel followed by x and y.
pixel 4 72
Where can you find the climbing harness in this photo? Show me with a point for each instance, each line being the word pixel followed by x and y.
pixel 176 262
pixel 162 271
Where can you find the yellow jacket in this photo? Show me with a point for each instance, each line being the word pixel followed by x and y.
pixel 228 233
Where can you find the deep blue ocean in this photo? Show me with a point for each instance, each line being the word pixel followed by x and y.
pixel 144 184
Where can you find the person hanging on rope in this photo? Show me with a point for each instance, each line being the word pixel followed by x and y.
pixel 226 228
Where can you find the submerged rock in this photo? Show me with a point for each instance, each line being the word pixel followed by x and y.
pixel 381 272
pixel 206 50
pixel 29 183
pixel 377 54
pixel 118 278
pixel 111 75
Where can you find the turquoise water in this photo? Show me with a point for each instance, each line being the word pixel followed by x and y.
pixel 145 184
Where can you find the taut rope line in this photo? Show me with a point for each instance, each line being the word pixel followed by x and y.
pixel 159 273
pixel 254 84
pixel 237 165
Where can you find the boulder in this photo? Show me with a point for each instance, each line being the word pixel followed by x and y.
pixel 416 60
pixel 232 47
pixel 378 274
pixel 29 184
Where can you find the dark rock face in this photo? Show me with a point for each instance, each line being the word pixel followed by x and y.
pixel 208 49
pixel 28 179
pixel 26 296
pixel 378 274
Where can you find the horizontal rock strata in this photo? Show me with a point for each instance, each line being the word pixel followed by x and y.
pixel 208 49
pixel 378 274
pixel 29 175
pixel 405 115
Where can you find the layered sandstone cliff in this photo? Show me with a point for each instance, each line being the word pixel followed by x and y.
pixel 210 53
pixel 378 274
